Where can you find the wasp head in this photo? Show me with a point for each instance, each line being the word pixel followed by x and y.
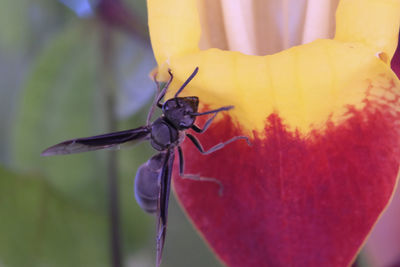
pixel 179 111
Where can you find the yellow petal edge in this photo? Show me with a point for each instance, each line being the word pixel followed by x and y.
pixel 306 85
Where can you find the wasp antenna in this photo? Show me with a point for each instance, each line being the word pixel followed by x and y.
pixel 212 111
pixel 187 81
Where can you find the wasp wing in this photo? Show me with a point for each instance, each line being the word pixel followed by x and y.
pixel 163 199
pixel 104 141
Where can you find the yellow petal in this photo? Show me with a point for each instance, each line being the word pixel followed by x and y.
pixel 372 22
pixel 307 85
pixel 174 28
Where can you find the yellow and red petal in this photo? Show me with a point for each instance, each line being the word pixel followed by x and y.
pixel 383 245
pixel 324 119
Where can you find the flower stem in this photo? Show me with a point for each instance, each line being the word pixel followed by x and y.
pixel 109 93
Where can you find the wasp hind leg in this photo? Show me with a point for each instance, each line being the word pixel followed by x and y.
pixel 196 177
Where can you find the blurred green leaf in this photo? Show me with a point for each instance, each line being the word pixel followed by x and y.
pixel 26 24
pixel 41 227
pixel 13 24
pixel 60 101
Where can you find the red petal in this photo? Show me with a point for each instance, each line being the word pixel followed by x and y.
pixel 290 200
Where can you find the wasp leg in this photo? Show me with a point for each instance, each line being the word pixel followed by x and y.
pixel 196 142
pixel 206 125
pixel 164 90
pixel 159 95
pixel 197 129
pixel 196 177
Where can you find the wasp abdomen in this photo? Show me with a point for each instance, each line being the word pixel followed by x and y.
pixel 147 183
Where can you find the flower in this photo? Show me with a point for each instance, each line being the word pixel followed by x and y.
pixel 324 120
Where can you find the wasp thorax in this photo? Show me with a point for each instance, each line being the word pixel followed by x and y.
pixel 179 111
pixel 163 135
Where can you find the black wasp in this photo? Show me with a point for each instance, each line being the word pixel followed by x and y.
pixel 153 178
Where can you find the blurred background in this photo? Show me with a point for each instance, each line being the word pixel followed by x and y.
pixel 75 68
